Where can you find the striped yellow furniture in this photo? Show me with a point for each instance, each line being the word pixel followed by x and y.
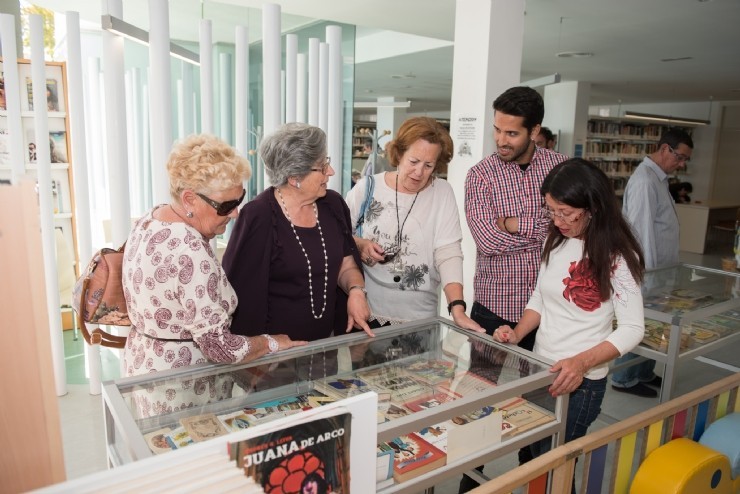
pixel 612 455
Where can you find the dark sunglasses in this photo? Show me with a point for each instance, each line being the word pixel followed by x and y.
pixel 223 208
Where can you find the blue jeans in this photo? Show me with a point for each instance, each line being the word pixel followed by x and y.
pixel 630 376
pixel 584 405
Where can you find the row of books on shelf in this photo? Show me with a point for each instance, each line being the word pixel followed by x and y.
pixel 626 130
pixel 596 148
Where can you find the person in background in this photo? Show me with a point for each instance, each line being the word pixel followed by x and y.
pixel 178 298
pixel 590 275
pixel 680 192
pixel 503 207
pixel 649 208
pixel 545 138
pixel 411 236
pixel 291 254
pixel 355 177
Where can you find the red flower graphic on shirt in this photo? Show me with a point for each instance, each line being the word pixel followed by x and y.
pixel 580 287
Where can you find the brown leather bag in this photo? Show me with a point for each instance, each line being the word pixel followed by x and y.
pixel 98 298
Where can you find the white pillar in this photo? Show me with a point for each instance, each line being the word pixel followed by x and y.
pixel 485 30
pixel 187 120
pixel 271 61
pixel 43 160
pixel 13 98
pixel 324 87
pixel 313 81
pixel 291 61
pixel 334 106
pixel 160 97
pixel 241 91
pixel 225 103
pixel 566 114
pixel 301 87
pixel 206 77
pixel 115 127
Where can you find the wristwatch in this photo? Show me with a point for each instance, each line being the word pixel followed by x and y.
pixel 358 287
pixel 454 303
pixel 272 343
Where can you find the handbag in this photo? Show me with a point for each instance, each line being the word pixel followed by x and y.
pixel 98 298
pixel 369 187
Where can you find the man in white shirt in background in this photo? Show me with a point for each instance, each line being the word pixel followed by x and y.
pixel 650 209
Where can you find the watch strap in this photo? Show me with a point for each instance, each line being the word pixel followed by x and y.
pixel 454 303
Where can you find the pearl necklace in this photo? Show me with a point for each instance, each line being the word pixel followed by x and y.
pixel 308 261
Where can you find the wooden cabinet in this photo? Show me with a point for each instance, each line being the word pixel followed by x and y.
pixel 617 146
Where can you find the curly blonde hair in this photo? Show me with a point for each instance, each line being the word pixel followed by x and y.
pixel 206 164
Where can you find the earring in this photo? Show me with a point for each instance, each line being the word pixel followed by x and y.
pixel 189 214
pixel 297 185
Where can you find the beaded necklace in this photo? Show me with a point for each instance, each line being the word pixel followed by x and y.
pixel 308 261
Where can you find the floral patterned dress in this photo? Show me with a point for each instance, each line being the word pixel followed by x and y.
pixel 180 304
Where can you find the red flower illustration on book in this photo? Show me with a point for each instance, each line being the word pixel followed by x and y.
pixel 288 476
pixel 580 287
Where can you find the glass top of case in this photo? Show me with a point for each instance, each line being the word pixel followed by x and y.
pixel 684 288
pixel 412 367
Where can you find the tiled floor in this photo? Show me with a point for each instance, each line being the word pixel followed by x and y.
pixel 82 421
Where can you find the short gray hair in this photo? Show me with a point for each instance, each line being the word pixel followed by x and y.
pixel 291 151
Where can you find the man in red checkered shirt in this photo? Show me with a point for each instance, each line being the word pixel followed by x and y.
pixel 503 206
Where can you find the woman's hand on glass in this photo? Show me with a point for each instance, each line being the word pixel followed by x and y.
pixel 505 334
pixel 358 312
pixel 571 371
pixel 462 320
pixel 284 342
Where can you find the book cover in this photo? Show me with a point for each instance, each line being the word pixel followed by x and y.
pixel 436 435
pixel 235 421
pixel 2 91
pixel 384 462
pixel 31 145
pixel 484 430
pixel 4 147
pixel 427 401
pixel 466 383
pixel 58 146
pixel 400 385
pixel 52 94
pixel 524 415
pixel 179 438
pixel 432 371
pixel 157 441
pixel 341 388
pixel 203 427
pixel 391 412
pixel 413 456
pixel 310 457
pixel 689 294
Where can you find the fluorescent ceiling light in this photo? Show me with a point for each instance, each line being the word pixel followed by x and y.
pixel 665 119
pixel 129 31
pixel 543 81
pixel 382 104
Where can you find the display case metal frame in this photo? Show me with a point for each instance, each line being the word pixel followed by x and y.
pixel 125 438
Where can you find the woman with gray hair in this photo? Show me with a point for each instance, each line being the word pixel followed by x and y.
pixel 291 257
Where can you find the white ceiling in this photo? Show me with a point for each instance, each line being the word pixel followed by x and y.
pixel 629 38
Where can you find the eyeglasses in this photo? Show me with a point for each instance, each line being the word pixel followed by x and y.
pixel 223 208
pixel 679 156
pixel 325 167
pixel 569 219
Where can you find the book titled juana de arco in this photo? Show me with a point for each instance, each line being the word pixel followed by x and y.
pixel 309 457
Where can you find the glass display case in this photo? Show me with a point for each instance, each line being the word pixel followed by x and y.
pixel 689 312
pixel 432 379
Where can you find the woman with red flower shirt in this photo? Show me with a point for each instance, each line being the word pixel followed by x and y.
pixel 591 270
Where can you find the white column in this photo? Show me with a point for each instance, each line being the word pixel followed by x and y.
pixel 324 87
pixel 313 81
pixel 187 119
pixel 206 77
pixel 43 159
pixel 301 87
pixel 334 105
pixel 225 104
pixel 160 97
pixel 566 114
pixel 241 90
pixel 291 61
pixel 115 126
pixel 485 30
pixel 13 98
pixel 271 61
pixel 76 112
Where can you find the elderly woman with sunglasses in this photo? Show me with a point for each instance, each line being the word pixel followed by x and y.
pixel 291 257
pixel 178 297
pixel 411 238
